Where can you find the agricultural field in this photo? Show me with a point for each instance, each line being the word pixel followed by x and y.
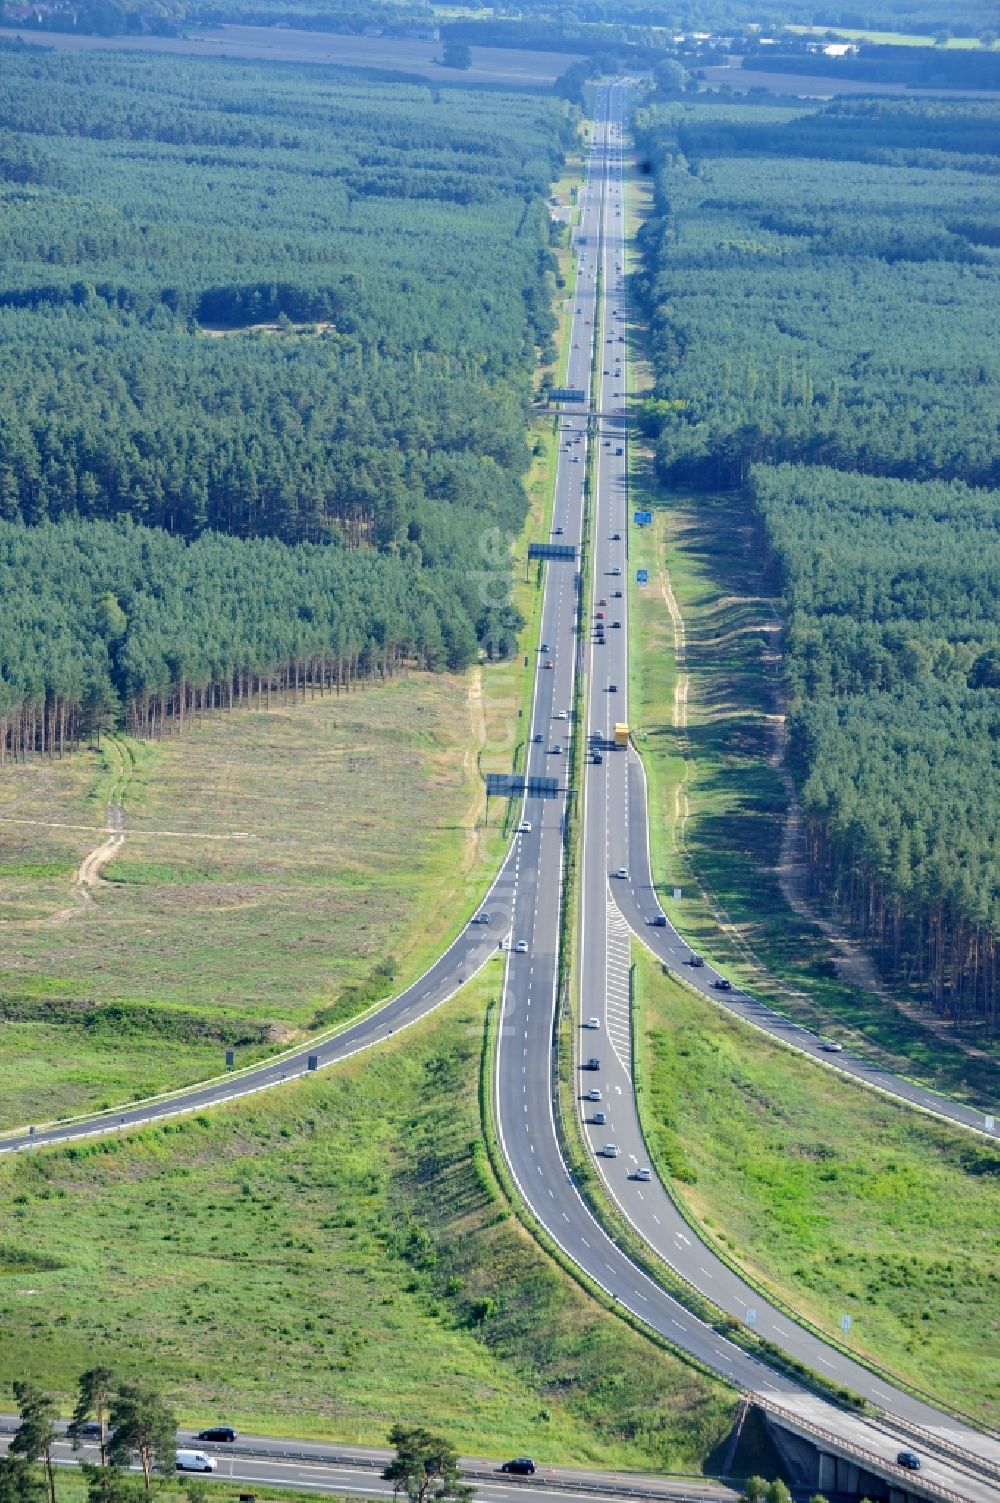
pixel 831 1197
pixel 272 860
pixel 496 67
pixel 348 1231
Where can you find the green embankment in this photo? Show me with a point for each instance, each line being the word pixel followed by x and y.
pixel 348 1232
pixel 838 1200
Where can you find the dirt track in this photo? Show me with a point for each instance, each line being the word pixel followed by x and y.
pixel 89 870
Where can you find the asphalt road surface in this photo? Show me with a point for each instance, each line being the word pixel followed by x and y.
pixel 636 899
pixel 476 944
pixel 525 1067
pixel 316 1467
pixel 524 904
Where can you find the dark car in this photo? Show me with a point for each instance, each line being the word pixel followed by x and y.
pixel 592 1063
pixel 722 985
pixel 659 922
pixel 89 1430
pixel 225 1432
pixel 521 1466
pixel 695 960
pixel 910 1460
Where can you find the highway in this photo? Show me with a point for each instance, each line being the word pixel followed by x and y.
pixel 525 1074
pixel 525 904
pixel 312 1466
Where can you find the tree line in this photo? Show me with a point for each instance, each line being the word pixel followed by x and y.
pixel 111 622
pixel 818 287
pixel 893 673
pixel 270 303
pixel 133 1423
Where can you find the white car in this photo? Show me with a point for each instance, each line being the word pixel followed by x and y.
pixel 521 947
pixel 622 872
pixel 593 1023
pixel 524 828
pixel 594 1094
pixel 563 715
pixel 643 1174
pixel 611 1150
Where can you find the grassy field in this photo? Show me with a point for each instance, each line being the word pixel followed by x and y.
pixel 707 735
pixel 348 1232
pixel 272 859
pixel 881 38
pixel 836 1199
pixel 71 1488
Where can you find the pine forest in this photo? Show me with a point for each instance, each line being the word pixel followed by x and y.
pixel 269 339
pixel 823 289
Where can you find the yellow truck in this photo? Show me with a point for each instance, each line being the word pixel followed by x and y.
pixel 621 733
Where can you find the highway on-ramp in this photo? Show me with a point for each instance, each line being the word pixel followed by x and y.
pixel 472 948
pixel 525 1074
pixel 641 909
pixel 524 906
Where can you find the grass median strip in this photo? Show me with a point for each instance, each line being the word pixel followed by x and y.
pixel 837 1200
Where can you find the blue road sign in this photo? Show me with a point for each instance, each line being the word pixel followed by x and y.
pixel 641 576
pixel 643 518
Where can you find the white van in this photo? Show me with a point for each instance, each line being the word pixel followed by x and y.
pixel 195 1461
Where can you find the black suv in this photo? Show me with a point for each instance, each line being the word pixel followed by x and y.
pixel 217 1432
pixel 521 1466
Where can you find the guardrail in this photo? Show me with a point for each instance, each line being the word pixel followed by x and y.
pixel 616 1489
pixel 855 1451
pixel 942 1445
